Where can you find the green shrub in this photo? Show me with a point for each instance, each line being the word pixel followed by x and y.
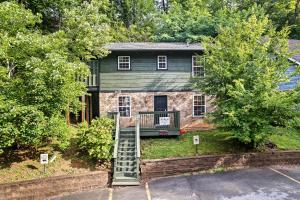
pixel 26 126
pixel 97 139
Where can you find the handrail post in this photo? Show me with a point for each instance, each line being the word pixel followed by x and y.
pixel 137 135
pixel 177 113
pixel 117 136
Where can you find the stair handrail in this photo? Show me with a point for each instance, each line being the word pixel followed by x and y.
pixel 137 135
pixel 115 154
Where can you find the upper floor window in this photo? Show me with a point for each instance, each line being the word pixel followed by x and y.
pixel 162 62
pixel 199 105
pixel 123 62
pixel 124 106
pixel 197 68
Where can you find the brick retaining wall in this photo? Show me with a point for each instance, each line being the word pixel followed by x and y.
pixel 175 166
pixel 52 186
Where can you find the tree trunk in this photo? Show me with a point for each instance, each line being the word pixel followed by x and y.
pixel 68 115
pixel 296 13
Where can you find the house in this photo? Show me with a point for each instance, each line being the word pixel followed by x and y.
pixel 145 78
pixel 149 77
pixel 146 87
pixel 294 45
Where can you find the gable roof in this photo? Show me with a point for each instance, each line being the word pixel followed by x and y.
pixel 148 46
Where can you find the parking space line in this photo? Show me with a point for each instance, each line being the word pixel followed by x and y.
pixel 148 191
pixel 292 179
pixel 110 195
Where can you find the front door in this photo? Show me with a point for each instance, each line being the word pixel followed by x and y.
pixel 160 104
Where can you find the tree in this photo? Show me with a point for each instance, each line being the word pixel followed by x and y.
pixel 132 20
pixel 282 13
pixel 38 70
pixel 191 20
pixel 243 66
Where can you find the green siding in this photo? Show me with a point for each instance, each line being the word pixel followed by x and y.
pixel 148 81
pixel 144 75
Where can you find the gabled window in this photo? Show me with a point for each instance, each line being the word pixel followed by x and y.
pixel 197 68
pixel 124 106
pixel 123 62
pixel 199 105
pixel 162 62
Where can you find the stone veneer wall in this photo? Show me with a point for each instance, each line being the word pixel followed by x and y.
pixel 175 166
pixel 144 101
pixel 53 186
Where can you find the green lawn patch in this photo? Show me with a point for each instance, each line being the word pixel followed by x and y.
pixel 211 142
pixel 286 138
pixel 215 141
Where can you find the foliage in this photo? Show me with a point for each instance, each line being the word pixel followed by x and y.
pixel 86 25
pixel 243 66
pixel 191 20
pixel 38 70
pixel 97 139
pixel 25 126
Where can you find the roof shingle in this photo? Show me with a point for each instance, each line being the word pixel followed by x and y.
pixel 144 46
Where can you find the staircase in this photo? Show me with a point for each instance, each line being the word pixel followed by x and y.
pixel 126 155
pixel 126 169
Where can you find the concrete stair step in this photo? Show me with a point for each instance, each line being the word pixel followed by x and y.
pixel 126 169
pixel 126 153
pixel 118 183
pixel 126 148
pixel 125 174
pixel 127 136
pixel 126 158
pixel 126 163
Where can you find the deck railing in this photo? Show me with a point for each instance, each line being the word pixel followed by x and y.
pixel 169 120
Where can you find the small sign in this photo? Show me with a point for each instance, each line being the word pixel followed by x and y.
pixel 44 158
pixel 164 121
pixel 163 132
pixel 196 139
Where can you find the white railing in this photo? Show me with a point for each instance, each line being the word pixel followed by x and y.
pixel 117 134
pixel 137 135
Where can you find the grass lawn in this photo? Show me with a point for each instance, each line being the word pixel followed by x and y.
pixel 212 142
pixel 286 139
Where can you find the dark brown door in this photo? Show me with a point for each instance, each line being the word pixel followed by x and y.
pixel 160 104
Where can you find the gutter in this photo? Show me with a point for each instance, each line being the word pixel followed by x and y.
pixel 295 61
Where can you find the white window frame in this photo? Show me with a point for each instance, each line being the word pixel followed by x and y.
pixel 129 63
pixel 193 66
pixel 202 105
pixel 166 61
pixel 124 106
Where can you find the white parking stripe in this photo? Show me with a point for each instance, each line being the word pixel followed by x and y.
pixel 285 175
pixel 110 195
pixel 148 191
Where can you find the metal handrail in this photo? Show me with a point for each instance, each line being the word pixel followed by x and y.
pixel 117 136
pixel 137 137
pixel 157 112
pixel 148 120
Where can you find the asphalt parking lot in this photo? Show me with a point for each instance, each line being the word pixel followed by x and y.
pixel 270 183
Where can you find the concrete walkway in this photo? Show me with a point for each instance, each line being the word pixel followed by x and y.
pixel 274 183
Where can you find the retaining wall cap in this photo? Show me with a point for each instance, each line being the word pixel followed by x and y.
pixel 45 179
pixel 216 155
